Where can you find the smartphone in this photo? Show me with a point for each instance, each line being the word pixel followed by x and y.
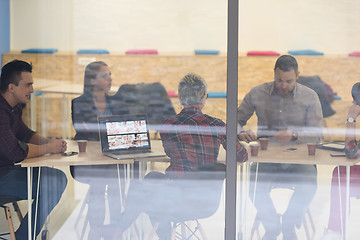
pixel 337 155
pixel 290 149
pixel 67 154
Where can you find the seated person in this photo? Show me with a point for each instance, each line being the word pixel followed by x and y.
pixel 351 151
pixel 18 142
pixel 191 139
pixel 95 102
pixel 289 113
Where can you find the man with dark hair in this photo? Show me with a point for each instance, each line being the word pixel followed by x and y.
pixel 12 73
pixel 18 142
pixel 289 113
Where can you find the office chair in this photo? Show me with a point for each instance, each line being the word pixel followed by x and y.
pixel 13 200
pixel 316 84
pixel 256 224
pixel 202 201
pixel 307 219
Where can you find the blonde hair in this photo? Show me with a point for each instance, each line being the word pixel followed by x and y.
pixel 192 88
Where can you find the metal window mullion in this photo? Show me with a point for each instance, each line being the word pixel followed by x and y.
pixel 231 118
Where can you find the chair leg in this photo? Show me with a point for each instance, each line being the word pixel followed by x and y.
pixel 306 229
pixel 86 220
pixel 183 230
pixel 18 211
pixel 255 228
pixel 311 220
pixel 84 228
pixel 173 232
pixel 82 208
pixel 202 232
pixel 153 231
pixel 10 223
pixel 307 232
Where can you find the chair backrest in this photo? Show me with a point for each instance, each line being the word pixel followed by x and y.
pixel 4 199
pixel 147 98
pixel 203 188
pixel 316 84
pixel 215 171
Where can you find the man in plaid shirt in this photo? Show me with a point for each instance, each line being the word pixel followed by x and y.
pixel 191 138
pixel 18 142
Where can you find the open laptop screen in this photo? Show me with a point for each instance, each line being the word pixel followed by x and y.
pixel 124 132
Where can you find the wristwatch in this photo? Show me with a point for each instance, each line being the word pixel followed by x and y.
pixel 351 120
pixel 294 136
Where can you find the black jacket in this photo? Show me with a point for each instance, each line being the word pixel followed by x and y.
pixel 83 110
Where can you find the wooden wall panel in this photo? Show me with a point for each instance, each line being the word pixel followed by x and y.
pixel 340 72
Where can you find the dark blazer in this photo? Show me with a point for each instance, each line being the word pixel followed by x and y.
pixel 83 110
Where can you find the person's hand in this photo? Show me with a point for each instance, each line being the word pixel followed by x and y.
pixel 354 111
pixel 247 136
pixel 57 145
pixel 283 135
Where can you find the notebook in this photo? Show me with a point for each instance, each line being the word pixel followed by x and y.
pixel 125 135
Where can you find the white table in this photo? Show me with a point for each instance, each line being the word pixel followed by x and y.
pixel 277 153
pixel 92 156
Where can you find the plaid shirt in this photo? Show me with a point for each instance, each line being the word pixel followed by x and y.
pixel 13 136
pixel 192 139
pixel 351 149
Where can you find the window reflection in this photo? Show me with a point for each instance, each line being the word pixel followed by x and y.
pixel 189 26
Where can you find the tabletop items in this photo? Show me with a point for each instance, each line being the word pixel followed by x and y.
pixel 82 145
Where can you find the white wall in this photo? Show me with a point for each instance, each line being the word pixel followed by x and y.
pixel 41 24
pixel 330 26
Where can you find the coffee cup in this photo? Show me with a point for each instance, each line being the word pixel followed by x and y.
pixel 82 145
pixel 312 148
pixel 264 142
pixel 254 148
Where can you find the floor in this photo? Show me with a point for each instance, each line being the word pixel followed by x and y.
pixel 214 226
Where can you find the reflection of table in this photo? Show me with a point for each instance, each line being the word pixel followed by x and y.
pixel 66 89
pixel 277 153
pixel 92 156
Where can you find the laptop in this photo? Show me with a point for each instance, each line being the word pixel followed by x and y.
pixel 125 136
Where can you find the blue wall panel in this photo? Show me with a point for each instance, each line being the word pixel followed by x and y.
pixel 4 27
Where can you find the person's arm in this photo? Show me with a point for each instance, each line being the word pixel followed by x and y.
pixel 168 145
pixel 39 145
pixel 245 111
pixel 247 136
pixel 241 153
pixel 77 115
pixel 351 147
pixel 284 135
pixel 16 146
pixel 84 117
pixel 312 131
pixel 37 139
pixel 53 146
pixel 354 112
